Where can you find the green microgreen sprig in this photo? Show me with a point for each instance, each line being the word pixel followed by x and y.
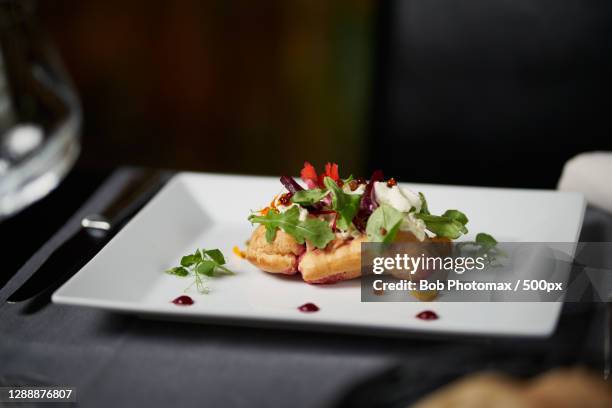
pixel 484 246
pixel 201 265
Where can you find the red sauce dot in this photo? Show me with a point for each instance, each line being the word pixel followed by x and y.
pixel 183 301
pixel 427 315
pixel 308 308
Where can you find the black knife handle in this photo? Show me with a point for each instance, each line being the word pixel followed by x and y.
pixel 71 256
pixel 75 252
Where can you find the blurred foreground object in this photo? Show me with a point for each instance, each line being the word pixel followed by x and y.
pixel 589 173
pixel 39 112
pixel 558 388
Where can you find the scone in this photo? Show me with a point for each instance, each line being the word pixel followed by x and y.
pixel 317 231
pixel 279 256
pixel 341 260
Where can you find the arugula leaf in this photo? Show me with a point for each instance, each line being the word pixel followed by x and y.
pixel 309 197
pixel 270 233
pixel 317 231
pixel 273 220
pixel 346 205
pixel 383 224
pixel 314 230
pixel 424 208
pixel 449 225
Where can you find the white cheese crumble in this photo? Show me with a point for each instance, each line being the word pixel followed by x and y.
pixel 402 200
pixel 399 198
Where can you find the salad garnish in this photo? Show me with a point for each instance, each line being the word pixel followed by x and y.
pixel 383 224
pixel 330 207
pixel 202 264
pixel 484 246
pixel 317 231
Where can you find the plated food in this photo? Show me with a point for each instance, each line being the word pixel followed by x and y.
pixel 316 228
pixel 190 211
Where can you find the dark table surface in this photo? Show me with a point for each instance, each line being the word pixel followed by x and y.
pixel 122 360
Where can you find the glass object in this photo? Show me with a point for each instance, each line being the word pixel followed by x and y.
pixel 40 115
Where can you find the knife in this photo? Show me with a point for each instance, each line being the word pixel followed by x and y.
pixel 96 230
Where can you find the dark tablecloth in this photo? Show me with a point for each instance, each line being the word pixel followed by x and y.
pixel 121 360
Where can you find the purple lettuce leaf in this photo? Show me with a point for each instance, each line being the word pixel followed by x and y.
pixel 368 201
pixel 290 184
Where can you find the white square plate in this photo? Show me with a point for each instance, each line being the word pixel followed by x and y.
pixel 210 211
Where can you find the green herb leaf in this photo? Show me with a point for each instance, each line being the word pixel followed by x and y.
pixel 457 216
pixel 216 256
pixel 450 225
pixel 201 262
pixel 346 205
pixel 383 224
pixel 273 220
pixel 308 197
pixel 314 230
pixel 223 269
pixel 424 208
pixel 178 271
pixel 485 246
pixel 189 260
pixel 317 231
pixel 206 268
pixel 486 241
pixel 270 233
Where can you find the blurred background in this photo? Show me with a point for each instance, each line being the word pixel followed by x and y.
pixel 477 92
pixel 219 86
